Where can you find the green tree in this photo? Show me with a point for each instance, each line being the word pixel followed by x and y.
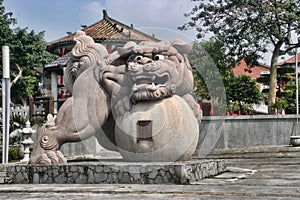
pixel 27 52
pixel 207 57
pixel 6 21
pixel 242 91
pixel 288 95
pixel 210 72
pixel 249 28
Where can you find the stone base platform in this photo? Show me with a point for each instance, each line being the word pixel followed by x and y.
pixel 116 171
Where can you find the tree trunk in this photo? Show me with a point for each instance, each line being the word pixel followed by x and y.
pixel 24 102
pixel 273 78
pixel 241 107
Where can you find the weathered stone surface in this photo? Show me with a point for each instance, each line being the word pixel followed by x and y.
pixel 174 131
pixel 106 88
pixel 117 172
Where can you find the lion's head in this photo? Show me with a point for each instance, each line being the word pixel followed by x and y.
pixel 157 70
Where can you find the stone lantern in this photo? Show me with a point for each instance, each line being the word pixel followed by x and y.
pixel 27 141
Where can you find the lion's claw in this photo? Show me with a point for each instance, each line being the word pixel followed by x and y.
pixel 51 157
pixel 56 157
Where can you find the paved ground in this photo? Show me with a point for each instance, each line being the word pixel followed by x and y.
pixel 268 173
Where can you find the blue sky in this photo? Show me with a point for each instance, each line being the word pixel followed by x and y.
pixel 56 17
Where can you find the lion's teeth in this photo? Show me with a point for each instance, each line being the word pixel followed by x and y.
pixel 144 77
pixel 134 87
pixel 141 77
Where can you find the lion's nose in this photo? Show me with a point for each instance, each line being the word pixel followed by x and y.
pixel 132 67
pixel 145 60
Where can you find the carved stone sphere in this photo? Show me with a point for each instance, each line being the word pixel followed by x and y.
pixel 164 130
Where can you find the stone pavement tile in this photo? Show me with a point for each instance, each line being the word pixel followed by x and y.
pixel 270 182
pixel 267 162
pixel 276 175
pixel 295 155
pixel 228 175
pixel 184 191
pixel 93 196
pixel 267 179
pixel 282 168
pixel 257 149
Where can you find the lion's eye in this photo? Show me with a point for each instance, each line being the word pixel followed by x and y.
pixel 138 58
pixel 158 57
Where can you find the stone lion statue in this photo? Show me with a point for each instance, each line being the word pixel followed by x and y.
pixel 112 93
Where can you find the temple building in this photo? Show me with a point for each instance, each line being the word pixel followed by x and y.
pixel 108 31
pixel 241 68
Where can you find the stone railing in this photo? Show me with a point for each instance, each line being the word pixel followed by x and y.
pixel 23 111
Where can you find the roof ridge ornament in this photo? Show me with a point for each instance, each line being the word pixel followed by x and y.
pixel 104 14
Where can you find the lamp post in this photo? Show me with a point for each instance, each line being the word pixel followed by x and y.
pixel 295 139
pixel 297 95
pixel 5 103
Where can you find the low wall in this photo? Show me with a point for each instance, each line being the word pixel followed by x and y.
pixel 225 132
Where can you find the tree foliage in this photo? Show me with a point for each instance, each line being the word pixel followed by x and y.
pixel 249 28
pixel 27 51
pixel 210 64
pixel 209 70
pixel 287 97
pixel 243 91
pixel 6 21
pixel 209 61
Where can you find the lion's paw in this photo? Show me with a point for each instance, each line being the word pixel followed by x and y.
pixel 49 158
pixel 194 106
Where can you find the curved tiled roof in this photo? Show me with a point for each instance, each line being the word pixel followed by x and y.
pixel 290 61
pixel 105 29
pixel 60 62
pixel 242 68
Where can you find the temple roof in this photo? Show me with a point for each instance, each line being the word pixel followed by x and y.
pixel 290 61
pixel 60 62
pixel 242 68
pixel 107 29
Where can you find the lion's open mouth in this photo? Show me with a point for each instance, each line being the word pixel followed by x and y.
pixel 149 82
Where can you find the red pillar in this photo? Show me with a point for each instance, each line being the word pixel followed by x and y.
pixel 212 111
pixel 109 48
pixel 62 52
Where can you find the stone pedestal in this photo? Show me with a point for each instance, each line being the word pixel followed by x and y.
pixel 116 171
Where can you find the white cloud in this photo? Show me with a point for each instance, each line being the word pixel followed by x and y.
pixel 163 14
pixel 144 13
